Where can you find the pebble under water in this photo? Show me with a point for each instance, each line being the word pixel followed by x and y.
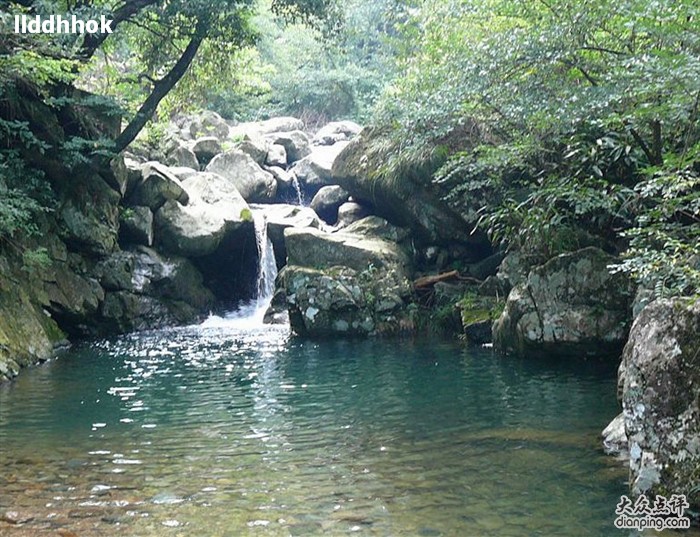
pixel 230 431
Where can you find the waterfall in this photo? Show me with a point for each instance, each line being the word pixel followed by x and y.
pixel 297 189
pixel 251 314
pixel 267 264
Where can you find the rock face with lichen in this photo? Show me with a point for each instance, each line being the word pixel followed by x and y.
pixel 660 388
pixel 571 305
pixel 345 284
pixel 27 334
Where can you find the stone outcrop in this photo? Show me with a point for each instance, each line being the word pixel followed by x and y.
pixel 346 284
pixel 89 215
pixel 571 305
pixel 27 334
pixel 660 388
pixel 410 200
pixel 147 290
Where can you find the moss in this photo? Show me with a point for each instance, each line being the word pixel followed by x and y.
pixel 246 215
pixel 470 316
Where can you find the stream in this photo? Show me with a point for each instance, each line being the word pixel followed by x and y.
pixel 233 428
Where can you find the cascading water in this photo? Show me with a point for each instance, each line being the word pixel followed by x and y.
pixel 252 313
pixel 297 189
pixel 267 264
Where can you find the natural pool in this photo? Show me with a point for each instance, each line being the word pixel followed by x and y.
pixel 234 430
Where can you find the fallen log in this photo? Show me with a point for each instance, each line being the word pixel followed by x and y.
pixel 427 281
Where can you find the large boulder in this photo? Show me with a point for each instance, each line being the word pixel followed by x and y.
pixel 255 184
pixel 349 213
pixel 336 131
pixel 148 290
pixel 157 186
pixel 571 305
pixel 288 187
pixel 207 124
pixel 189 231
pixel 256 147
pixel 206 148
pixel 346 284
pixel 374 226
pixel 660 377
pixel 181 155
pixel 295 143
pixel 219 194
pixel 216 210
pixel 406 197
pixel 276 156
pixel 314 170
pixel 327 201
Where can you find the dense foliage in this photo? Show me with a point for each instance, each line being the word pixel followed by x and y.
pixel 578 121
pixel 155 42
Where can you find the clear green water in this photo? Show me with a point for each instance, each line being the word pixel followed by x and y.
pixel 229 432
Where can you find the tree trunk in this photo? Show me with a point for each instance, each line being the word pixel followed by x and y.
pixel 160 90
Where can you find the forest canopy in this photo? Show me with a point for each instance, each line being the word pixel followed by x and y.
pixel 575 122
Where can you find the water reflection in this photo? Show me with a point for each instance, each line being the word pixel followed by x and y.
pixel 235 431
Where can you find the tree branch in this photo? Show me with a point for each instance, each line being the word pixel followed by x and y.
pixel 128 9
pixel 603 49
pixel 642 144
pixel 161 89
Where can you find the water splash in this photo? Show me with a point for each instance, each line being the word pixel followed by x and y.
pixel 251 314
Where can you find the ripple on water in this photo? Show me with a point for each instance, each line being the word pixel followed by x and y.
pixel 232 430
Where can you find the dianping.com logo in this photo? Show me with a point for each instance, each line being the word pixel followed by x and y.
pixel 665 513
pixel 56 24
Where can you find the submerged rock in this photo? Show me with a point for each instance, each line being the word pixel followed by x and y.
pixel 660 377
pixel 572 305
pixel 615 438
